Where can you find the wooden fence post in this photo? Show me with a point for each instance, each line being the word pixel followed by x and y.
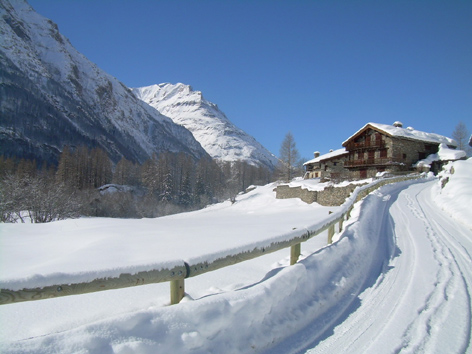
pixel 348 215
pixel 295 251
pixel 330 234
pixel 177 291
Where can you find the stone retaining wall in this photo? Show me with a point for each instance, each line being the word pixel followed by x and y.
pixel 330 196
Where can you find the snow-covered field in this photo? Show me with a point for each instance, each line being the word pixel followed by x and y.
pixel 397 280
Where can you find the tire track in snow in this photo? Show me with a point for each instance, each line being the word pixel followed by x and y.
pixel 385 300
pixel 423 299
pixel 448 310
pixel 422 333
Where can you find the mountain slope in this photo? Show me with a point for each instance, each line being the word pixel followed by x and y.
pixel 210 126
pixel 51 96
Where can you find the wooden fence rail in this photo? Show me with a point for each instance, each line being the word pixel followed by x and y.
pixel 178 273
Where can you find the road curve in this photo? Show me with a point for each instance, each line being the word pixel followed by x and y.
pixel 422 302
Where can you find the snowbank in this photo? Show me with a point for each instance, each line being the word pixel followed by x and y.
pixel 81 250
pixel 454 190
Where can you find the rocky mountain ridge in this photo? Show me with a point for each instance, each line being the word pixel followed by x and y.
pixel 51 96
pixel 209 125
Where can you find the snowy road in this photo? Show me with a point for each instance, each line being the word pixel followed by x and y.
pixel 421 302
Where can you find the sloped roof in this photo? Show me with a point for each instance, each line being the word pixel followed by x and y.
pixel 407 133
pixel 328 156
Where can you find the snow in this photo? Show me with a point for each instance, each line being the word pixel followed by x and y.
pixel 443 154
pixel 156 243
pixel 420 302
pixel 456 196
pixel 327 156
pixel 315 184
pixel 43 54
pixel 221 139
pixel 396 280
pixel 408 133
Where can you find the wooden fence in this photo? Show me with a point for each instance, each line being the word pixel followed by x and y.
pixel 177 275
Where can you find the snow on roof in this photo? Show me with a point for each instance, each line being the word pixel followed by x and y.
pixel 327 156
pixel 407 133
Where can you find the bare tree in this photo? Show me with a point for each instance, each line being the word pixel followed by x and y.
pixel 37 198
pixel 289 158
pixel 461 136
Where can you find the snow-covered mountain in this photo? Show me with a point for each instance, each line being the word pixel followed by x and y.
pixel 51 96
pixel 209 125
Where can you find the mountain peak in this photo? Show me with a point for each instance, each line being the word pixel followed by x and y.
pixel 211 128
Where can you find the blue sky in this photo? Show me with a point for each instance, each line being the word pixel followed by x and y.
pixel 320 69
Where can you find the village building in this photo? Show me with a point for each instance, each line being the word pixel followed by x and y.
pixel 329 166
pixel 377 148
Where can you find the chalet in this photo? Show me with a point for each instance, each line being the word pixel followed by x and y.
pixel 380 147
pixel 329 166
pixel 376 148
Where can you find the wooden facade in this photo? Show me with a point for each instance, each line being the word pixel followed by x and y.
pixel 371 151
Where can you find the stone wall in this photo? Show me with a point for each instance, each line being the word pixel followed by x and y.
pixel 286 192
pixel 334 196
pixel 330 196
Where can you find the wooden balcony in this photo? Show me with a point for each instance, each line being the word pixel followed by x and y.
pixel 373 162
pixel 368 144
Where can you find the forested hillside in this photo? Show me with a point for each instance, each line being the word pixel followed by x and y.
pixel 86 182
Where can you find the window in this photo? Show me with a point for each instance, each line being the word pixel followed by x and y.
pixel 404 156
pixel 383 153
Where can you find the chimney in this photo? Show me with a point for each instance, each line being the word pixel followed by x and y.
pixel 398 124
pixel 317 154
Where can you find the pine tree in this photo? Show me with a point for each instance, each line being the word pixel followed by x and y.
pixel 167 194
pixel 185 196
